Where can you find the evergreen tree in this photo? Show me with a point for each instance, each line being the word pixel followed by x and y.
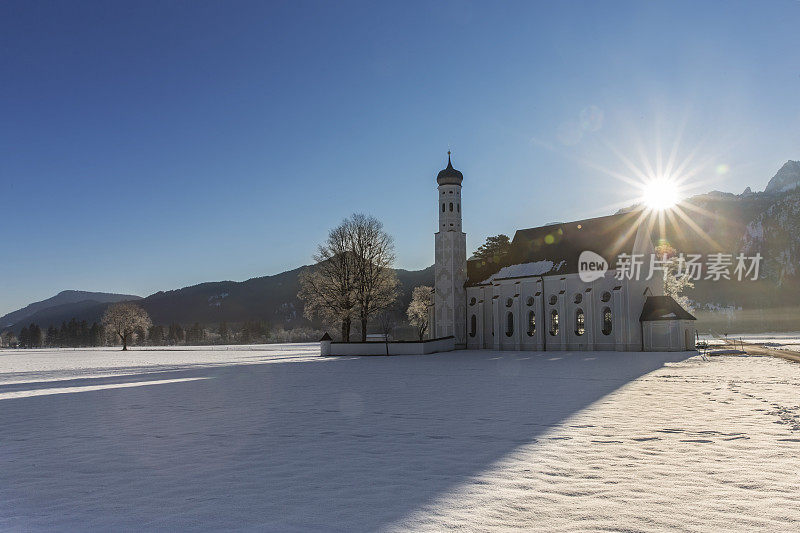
pixel 156 335
pixel 24 337
pixel 175 334
pixel 494 248
pixel 52 336
pixel 83 329
pixel 96 334
pixel 36 336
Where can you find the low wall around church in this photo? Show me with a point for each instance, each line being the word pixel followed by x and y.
pixel 445 344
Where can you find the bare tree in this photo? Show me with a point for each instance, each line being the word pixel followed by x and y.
pixel 328 289
pixel 375 279
pixel 386 323
pixel 353 276
pixel 123 319
pixel 418 316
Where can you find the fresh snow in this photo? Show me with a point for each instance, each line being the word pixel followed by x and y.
pixel 536 268
pixel 784 341
pixel 277 438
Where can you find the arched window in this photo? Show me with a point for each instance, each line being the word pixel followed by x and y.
pixel 458 207
pixel 608 321
pixel 451 207
pixel 554 323
pixel 531 324
pixel 509 324
pixel 580 323
pixel 443 208
pixel 473 326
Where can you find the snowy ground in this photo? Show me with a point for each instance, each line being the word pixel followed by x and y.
pixel 781 341
pixel 276 438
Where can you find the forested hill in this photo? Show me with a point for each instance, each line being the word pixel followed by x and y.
pixel 269 298
pixel 64 300
pixel 766 222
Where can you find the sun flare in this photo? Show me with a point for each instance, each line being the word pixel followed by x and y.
pixel 660 194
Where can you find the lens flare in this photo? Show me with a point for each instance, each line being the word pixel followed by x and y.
pixel 660 194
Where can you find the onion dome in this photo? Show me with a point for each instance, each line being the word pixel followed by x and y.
pixel 449 176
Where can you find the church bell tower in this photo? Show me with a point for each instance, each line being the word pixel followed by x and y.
pixel 451 259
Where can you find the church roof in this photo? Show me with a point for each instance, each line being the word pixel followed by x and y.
pixel 663 308
pixel 554 249
pixel 449 176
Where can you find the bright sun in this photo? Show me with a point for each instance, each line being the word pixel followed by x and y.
pixel 660 194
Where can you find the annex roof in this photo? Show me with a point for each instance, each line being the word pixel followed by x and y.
pixel 663 308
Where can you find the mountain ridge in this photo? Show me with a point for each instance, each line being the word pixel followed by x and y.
pixel 65 297
pixel 271 298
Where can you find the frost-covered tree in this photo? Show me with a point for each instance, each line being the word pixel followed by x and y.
pixel 123 319
pixel 418 316
pixel 676 280
pixel 8 339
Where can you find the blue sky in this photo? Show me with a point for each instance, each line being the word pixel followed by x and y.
pixel 148 146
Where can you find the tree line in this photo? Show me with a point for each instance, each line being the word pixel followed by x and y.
pixel 80 334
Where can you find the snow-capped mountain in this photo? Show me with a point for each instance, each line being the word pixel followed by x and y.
pixel 787 178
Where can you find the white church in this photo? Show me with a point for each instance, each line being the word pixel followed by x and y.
pixel 533 297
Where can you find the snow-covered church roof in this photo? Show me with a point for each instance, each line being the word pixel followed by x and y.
pixel 554 249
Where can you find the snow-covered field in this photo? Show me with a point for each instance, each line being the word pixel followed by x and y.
pixel 785 341
pixel 276 438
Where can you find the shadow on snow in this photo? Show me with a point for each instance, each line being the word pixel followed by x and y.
pixel 343 444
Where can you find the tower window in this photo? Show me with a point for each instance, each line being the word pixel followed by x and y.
pixel 578 298
pixel 553 299
pixel 531 324
pixel 608 321
pixel 451 207
pixel 554 323
pixel 509 324
pixel 443 208
pixel 606 296
pixel 580 326
pixel 530 301
pixel 473 326
pixel 458 207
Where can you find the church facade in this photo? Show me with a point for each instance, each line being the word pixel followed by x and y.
pixel 535 298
